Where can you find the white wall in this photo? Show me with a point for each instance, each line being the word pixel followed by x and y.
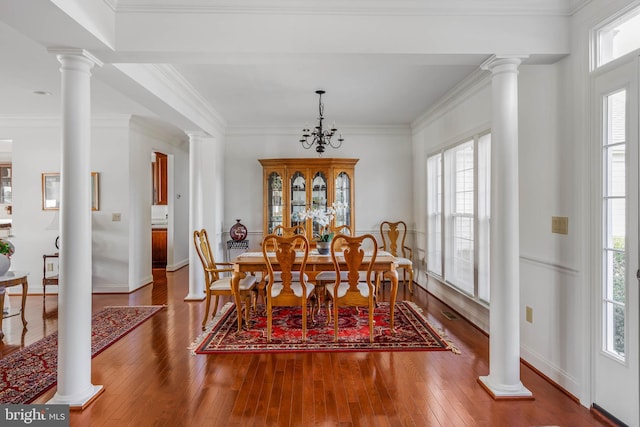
pixel 122 157
pixel 549 262
pixel 383 181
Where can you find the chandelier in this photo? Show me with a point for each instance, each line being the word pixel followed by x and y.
pixel 319 136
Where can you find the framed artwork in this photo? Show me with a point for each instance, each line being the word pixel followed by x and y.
pixel 51 191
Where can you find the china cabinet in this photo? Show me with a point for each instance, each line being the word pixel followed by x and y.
pixel 5 183
pixel 292 186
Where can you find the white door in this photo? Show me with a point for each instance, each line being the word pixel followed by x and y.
pixel 616 383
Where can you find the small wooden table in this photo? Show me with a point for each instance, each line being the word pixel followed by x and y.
pixel 13 278
pixel 254 261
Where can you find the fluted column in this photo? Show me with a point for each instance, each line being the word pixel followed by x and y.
pixel 196 211
pixel 74 386
pixel 503 380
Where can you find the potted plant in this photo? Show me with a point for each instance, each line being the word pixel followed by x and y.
pixel 322 217
pixel 6 250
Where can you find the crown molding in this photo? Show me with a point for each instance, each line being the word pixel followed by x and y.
pixel 473 83
pixel 340 7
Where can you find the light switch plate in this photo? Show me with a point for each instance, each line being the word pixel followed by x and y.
pixel 560 224
pixel 116 216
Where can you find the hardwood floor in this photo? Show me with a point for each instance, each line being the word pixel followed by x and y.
pixel 151 379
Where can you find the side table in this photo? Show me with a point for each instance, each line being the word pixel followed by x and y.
pixel 236 244
pixel 14 278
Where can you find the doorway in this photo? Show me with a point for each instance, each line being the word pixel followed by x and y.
pixel 615 303
pixel 159 209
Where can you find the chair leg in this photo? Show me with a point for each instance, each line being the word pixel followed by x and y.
pixel 335 321
pixel 269 321
pixel 304 320
pixel 215 307
pixel 371 321
pixel 411 281
pixel 206 310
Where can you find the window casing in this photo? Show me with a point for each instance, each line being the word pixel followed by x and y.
pixel 616 38
pixel 458 215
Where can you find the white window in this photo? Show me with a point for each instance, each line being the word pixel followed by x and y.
pixel 458 189
pixel 618 37
pixel 614 223
pixel 434 213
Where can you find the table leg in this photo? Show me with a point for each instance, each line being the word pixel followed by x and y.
pixel 235 288
pixel 25 288
pixel 393 275
pixel 2 291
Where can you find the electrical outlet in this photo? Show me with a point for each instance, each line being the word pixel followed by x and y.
pixel 50 267
pixel 529 314
pixel 116 216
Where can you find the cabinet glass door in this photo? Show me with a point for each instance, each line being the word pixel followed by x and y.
pixel 343 199
pixel 5 184
pixel 298 198
pixel 274 201
pixel 318 197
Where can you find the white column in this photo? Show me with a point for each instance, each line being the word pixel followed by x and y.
pixel 74 296
pixel 503 380
pixel 196 211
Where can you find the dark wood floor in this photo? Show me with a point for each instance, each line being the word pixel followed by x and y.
pixel 151 379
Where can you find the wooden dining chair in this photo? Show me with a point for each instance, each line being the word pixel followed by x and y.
pixel 216 283
pixel 325 277
pixel 359 289
pixel 289 287
pixel 394 235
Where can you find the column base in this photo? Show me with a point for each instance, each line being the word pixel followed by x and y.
pixel 78 403
pixel 191 297
pixel 503 392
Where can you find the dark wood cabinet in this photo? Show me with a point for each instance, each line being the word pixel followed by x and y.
pixel 159 247
pixel 160 173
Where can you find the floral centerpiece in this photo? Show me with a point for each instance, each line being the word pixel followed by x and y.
pixel 322 217
pixel 6 250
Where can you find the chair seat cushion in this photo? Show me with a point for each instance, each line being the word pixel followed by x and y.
pixel 296 287
pixel 224 284
pixel 330 276
pixel 403 262
pixel 344 287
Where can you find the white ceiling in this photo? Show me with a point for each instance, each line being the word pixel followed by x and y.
pixel 258 63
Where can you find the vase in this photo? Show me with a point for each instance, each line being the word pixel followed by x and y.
pixel 238 231
pixel 5 264
pixel 323 247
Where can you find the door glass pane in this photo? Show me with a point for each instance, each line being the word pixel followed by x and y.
pixel 619 37
pixel 614 284
pixel 298 198
pixel 318 197
pixel 343 200
pixel 274 202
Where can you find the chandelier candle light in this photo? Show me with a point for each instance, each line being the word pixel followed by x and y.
pixel 319 136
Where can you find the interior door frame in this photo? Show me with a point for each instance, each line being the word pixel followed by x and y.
pixel 632 228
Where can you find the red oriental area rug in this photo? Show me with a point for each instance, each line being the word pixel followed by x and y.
pixel 29 372
pixel 413 332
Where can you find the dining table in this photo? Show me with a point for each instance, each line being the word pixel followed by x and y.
pixel 251 262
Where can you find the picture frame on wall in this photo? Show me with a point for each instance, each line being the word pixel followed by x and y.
pixel 51 191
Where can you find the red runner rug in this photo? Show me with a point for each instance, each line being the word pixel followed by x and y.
pixel 29 372
pixel 413 332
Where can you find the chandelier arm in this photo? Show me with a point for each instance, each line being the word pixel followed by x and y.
pixel 306 144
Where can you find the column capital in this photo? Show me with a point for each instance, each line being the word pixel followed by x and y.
pixel 503 63
pixel 61 52
pixel 197 135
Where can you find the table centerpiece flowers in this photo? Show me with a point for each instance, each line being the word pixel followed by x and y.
pixel 6 250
